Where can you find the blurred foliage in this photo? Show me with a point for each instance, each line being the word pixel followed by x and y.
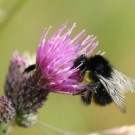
pixel 112 21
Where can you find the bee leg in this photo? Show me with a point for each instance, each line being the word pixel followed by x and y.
pixel 80 92
pixel 87 97
pixel 91 87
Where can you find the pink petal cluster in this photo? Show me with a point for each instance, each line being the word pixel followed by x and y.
pixel 56 56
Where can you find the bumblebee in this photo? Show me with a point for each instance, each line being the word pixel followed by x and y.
pixel 107 83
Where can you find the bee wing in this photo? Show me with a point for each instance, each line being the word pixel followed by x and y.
pixel 116 86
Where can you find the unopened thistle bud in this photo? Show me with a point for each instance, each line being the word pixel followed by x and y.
pixel 23 98
pixel 23 90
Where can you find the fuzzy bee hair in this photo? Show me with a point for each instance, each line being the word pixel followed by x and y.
pixel 107 83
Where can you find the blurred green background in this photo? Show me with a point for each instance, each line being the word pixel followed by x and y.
pixel 112 21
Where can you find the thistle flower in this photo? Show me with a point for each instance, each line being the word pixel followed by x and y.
pixel 56 56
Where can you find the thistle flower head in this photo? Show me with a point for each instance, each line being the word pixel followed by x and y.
pixel 56 56
pixel 21 90
pixel 7 112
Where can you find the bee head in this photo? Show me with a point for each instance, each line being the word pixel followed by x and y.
pixel 81 60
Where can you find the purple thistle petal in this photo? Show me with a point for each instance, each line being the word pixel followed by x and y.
pixel 56 56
